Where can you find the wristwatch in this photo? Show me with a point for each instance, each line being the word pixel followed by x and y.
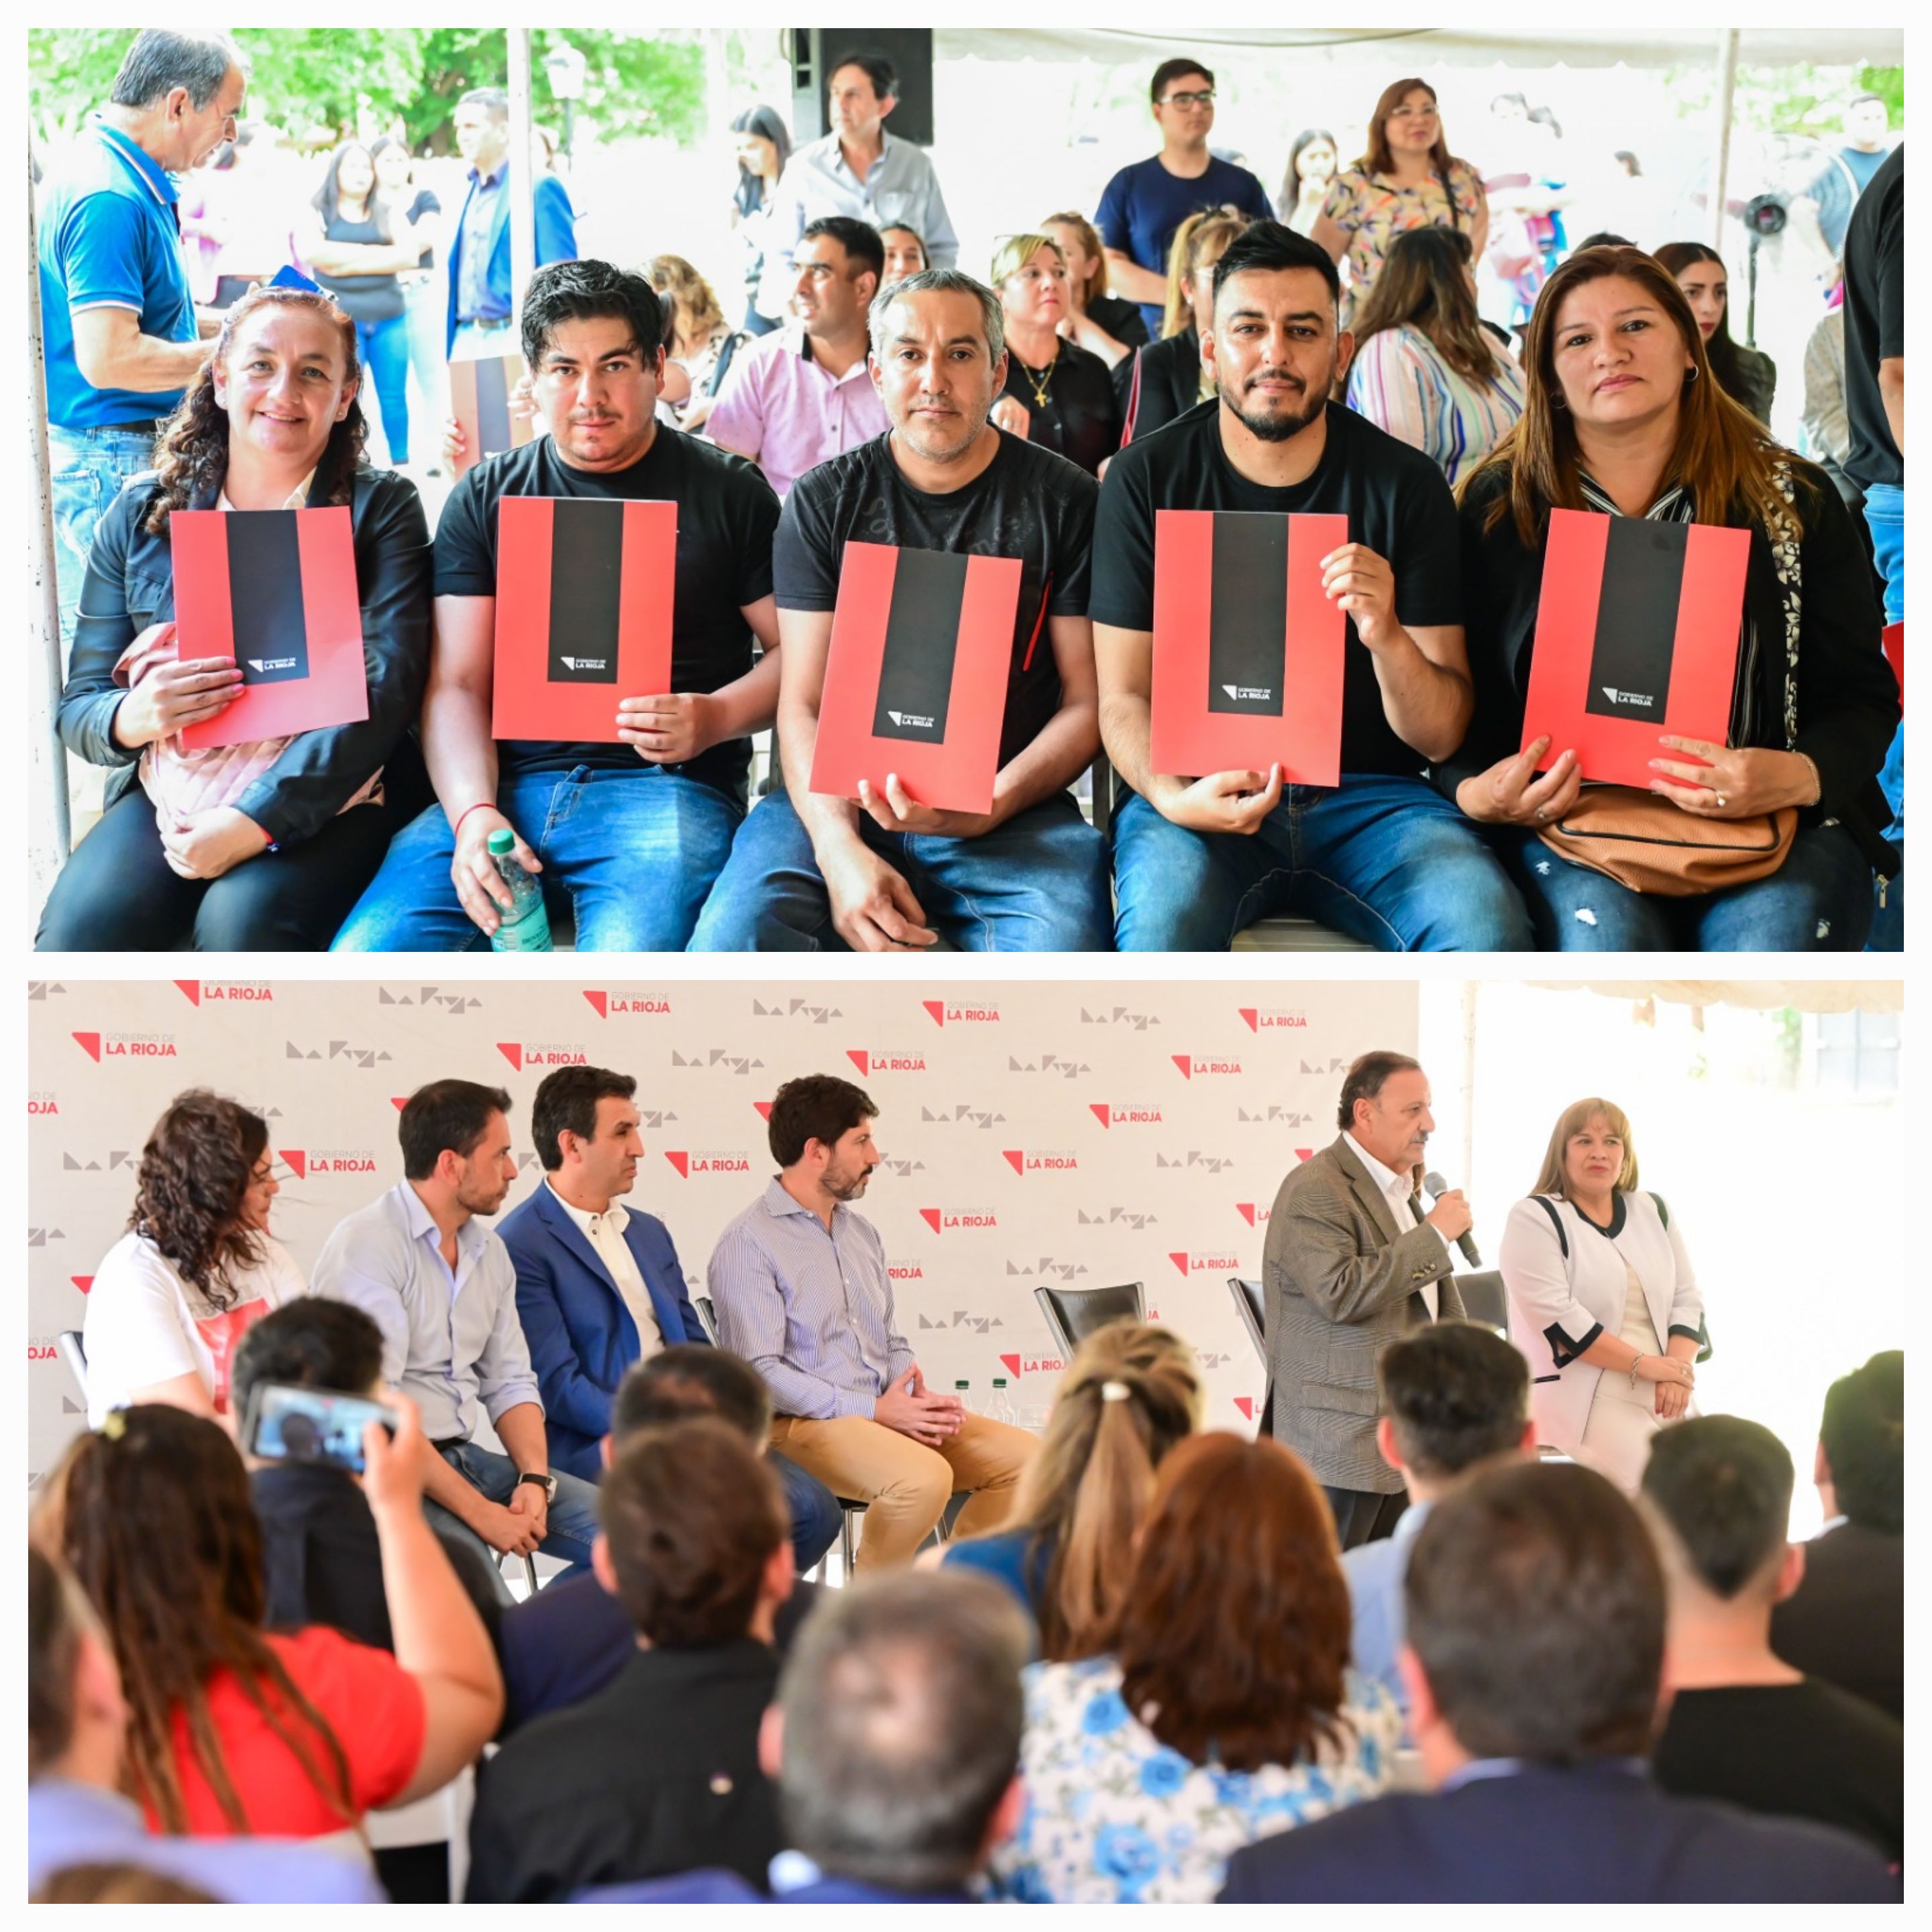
pixel 546 1483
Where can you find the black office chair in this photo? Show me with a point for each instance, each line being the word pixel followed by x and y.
pixel 1250 1305
pixel 708 1315
pixel 73 1351
pixel 1484 1300
pixel 1073 1314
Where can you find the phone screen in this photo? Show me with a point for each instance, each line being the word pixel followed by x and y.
pixel 310 1425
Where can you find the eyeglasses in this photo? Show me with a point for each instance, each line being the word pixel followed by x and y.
pixel 1206 99
pixel 1407 113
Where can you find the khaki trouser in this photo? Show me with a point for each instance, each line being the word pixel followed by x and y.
pixel 906 1486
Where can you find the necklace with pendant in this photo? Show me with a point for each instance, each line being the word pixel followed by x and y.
pixel 1039 383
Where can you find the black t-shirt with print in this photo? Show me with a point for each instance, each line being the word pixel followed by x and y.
pixel 1394 498
pixel 1027 503
pixel 726 516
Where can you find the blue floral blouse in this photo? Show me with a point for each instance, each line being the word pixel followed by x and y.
pixel 1114 1815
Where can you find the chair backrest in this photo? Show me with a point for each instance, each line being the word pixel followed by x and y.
pixel 1251 1306
pixel 1484 1299
pixel 73 1352
pixel 708 1315
pixel 1073 1314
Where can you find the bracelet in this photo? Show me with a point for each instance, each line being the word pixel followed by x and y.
pixel 455 829
pixel 1634 1360
pixel 1811 765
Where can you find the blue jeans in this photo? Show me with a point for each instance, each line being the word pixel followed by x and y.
pixel 816 1517
pixel 88 467
pixel 1885 518
pixel 1818 901
pixel 1388 860
pixel 572 1518
pixel 385 349
pixel 1037 884
pixel 630 854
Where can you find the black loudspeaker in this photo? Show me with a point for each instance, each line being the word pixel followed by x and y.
pixel 815 49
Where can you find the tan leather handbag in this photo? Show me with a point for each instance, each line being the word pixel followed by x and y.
pixel 1646 843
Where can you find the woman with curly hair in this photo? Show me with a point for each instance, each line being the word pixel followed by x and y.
pixel 234 1730
pixel 197 1267
pixel 1223 1707
pixel 262 846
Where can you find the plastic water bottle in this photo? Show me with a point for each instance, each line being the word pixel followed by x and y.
pixel 964 1390
pixel 525 927
pixel 1000 1409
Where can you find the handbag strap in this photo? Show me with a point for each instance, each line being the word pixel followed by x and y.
pixel 1787 559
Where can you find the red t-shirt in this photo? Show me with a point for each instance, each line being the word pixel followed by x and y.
pixel 371 1703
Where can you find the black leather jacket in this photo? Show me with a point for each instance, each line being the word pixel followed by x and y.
pixel 130 585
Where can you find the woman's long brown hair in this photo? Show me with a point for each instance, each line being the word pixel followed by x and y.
pixel 153 1514
pixel 193 455
pixel 200 1161
pixel 1235 1631
pixel 1723 455
pixel 1720 346
pixel 1191 240
pixel 1424 283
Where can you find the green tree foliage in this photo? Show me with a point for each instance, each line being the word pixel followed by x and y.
pixel 318 77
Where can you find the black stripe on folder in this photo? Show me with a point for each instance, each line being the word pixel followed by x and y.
pixel 264 597
pixel 492 407
pixel 587 568
pixel 1636 618
pixel 922 641
pixel 1247 615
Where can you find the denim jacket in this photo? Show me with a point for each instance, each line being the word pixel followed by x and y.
pixel 130 585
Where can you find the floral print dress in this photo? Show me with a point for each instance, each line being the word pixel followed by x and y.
pixel 1113 1816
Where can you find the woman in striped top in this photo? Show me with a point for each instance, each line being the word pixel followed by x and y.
pixel 1425 369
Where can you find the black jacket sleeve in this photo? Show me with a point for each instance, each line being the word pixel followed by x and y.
pixel 103 630
pixel 1502 583
pixel 320 771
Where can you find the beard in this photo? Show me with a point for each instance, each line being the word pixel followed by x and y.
pixel 845 1183
pixel 1282 425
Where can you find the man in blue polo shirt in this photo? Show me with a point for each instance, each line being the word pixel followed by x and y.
pixel 480 317
pixel 118 324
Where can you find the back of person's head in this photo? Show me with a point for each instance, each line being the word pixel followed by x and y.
pixel 1198 240
pixel 58 1622
pixel 152 1512
pixel 309 1343
pixel 864 249
pixel 696 309
pixel 1721 1485
pixel 816 1106
pixel 446 1114
pixel 586 291
pixel 566 1102
pixel 200 1161
pixel 1863 1436
pixel 159 59
pixel 1267 247
pixel 1425 284
pixel 692 1517
pixel 1234 1633
pixel 1605 238
pixel 903 1714
pixel 1535 1606
pixel 1131 1393
pixel 689 1379
pixel 1456 1393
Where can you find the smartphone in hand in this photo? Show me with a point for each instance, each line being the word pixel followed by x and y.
pixel 288 1424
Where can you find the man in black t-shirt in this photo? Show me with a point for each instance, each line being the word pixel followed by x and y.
pixel 1197 857
pixel 1744 1726
pixel 882 872
pixel 630 833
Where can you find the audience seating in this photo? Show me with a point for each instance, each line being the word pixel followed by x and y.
pixel 708 1315
pixel 1252 1306
pixel 442 1818
pixel 73 1352
pixel 1073 1314
pixel 1483 1297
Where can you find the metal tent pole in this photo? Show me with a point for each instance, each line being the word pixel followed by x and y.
pixel 1720 159
pixel 522 178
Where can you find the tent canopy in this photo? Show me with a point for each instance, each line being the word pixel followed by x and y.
pixel 1808 996
pixel 1819 41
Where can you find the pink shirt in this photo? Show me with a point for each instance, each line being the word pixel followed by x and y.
pixel 787 414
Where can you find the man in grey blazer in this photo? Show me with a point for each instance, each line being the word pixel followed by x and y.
pixel 1352 1264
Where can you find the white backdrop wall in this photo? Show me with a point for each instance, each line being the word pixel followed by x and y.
pixel 1043 1132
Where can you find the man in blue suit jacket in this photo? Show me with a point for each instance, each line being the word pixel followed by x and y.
pixel 481 322
pixel 599 1287
pixel 1535 1664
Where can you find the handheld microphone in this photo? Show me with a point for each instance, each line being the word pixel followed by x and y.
pixel 1437 1186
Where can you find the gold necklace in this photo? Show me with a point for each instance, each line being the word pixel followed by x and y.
pixel 1039 385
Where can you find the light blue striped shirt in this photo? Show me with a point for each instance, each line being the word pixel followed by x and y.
pixel 812 1311
pixel 1375 1573
pixel 900 189
pixel 449 1340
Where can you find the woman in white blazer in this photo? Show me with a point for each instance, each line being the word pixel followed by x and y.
pixel 1602 1298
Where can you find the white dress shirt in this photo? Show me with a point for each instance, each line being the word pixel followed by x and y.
pixel 605 1234
pixel 1395 1188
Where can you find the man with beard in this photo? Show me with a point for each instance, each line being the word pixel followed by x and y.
pixel 1197 857
pixel 443 1290
pixel 799 1283
pixel 1352 1265
pixel 884 872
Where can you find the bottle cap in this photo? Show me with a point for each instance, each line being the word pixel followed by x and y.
pixel 502 840
pixel 999 1381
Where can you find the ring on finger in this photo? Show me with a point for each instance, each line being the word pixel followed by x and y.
pixel 1722 801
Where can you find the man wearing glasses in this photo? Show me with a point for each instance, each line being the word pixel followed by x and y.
pixel 802 395
pixel 1144 204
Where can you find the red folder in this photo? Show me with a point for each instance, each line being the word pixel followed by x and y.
pixel 1249 652
pixel 1894 655
pixel 584 593
pixel 916 679
pixel 275 591
pixel 1636 634
pixel 479 395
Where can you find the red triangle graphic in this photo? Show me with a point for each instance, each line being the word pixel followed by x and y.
pixel 1253 1015
pixel 1179 1261
pixel 1187 1065
pixel 680 1160
pixel 1011 1363
pixel 399 1101
pixel 860 1058
pixel 1098 1108
pixel 937 1008
pixel 90 1044
pixel 1017 1156
pixel 600 1000
pixel 1304 1154
pixel 1246 1209
pixel 298 1161
pixel 930 1216
pixel 1246 1404
pixel 192 988
pixel 764 1108
pixel 83 1282
pixel 512 1051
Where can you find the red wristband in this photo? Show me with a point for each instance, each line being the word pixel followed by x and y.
pixel 456 829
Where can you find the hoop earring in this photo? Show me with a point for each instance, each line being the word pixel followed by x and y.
pixel 1691 375
pixel 1557 406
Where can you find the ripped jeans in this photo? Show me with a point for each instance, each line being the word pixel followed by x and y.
pixel 1818 901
